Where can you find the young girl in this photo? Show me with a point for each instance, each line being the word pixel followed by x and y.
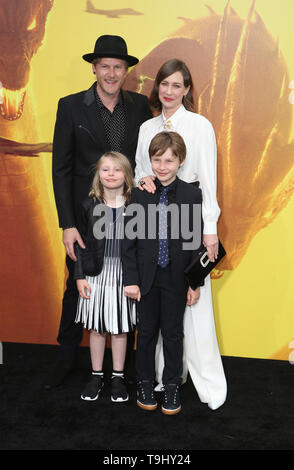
pixel 102 307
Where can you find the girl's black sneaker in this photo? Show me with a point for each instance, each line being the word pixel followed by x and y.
pixel 93 388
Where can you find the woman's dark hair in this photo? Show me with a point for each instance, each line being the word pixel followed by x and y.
pixel 167 69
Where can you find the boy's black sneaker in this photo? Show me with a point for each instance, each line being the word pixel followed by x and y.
pixel 171 399
pixel 118 389
pixel 145 395
pixel 93 388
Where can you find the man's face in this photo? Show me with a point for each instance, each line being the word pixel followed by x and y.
pixel 110 74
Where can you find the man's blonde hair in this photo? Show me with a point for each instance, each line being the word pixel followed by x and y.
pixel 98 59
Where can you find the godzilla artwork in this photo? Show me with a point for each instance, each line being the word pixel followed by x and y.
pixel 30 288
pixel 111 13
pixel 22 28
pixel 241 86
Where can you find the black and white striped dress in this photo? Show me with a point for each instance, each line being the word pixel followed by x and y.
pixel 108 310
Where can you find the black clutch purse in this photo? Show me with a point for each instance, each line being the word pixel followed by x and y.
pixel 200 267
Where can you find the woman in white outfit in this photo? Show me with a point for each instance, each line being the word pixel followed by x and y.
pixel 172 94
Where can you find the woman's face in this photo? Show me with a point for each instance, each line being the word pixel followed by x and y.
pixel 171 92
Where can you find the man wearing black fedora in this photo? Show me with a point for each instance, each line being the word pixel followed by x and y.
pixel 105 117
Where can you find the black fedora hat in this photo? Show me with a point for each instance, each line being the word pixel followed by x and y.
pixel 111 46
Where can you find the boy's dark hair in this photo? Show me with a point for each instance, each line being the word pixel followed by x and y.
pixel 165 140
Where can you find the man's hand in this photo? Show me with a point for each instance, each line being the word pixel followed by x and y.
pixel 193 296
pixel 82 285
pixel 148 184
pixel 211 244
pixel 70 236
pixel 133 292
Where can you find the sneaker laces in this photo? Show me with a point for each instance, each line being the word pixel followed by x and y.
pixel 170 393
pixel 146 387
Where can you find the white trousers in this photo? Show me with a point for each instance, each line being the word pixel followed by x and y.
pixel 201 356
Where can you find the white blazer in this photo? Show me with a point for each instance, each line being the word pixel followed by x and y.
pixel 201 159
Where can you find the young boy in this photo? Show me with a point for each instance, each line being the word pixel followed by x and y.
pixel 153 269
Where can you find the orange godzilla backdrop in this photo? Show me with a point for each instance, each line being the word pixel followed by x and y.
pixel 239 53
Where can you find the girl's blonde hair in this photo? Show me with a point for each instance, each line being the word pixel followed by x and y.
pixel 97 190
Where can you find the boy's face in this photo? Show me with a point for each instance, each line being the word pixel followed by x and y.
pixel 165 166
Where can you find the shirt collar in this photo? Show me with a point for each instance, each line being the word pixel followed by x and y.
pixel 171 122
pixel 171 187
pixel 99 101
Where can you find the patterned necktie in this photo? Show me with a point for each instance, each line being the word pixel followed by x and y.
pixel 163 258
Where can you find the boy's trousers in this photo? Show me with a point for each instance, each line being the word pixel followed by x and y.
pixel 161 309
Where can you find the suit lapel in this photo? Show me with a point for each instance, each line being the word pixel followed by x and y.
pixel 95 123
pixel 130 118
pixel 176 244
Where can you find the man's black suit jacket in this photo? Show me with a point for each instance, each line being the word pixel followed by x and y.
pixel 140 255
pixel 80 140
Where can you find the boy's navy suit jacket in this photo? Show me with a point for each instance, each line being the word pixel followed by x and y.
pixel 139 256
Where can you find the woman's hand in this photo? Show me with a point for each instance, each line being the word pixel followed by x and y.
pixel 82 286
pixel 193 296
pixel 70 236
pixel 133 292
pixel 211 244
pixel 148 184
